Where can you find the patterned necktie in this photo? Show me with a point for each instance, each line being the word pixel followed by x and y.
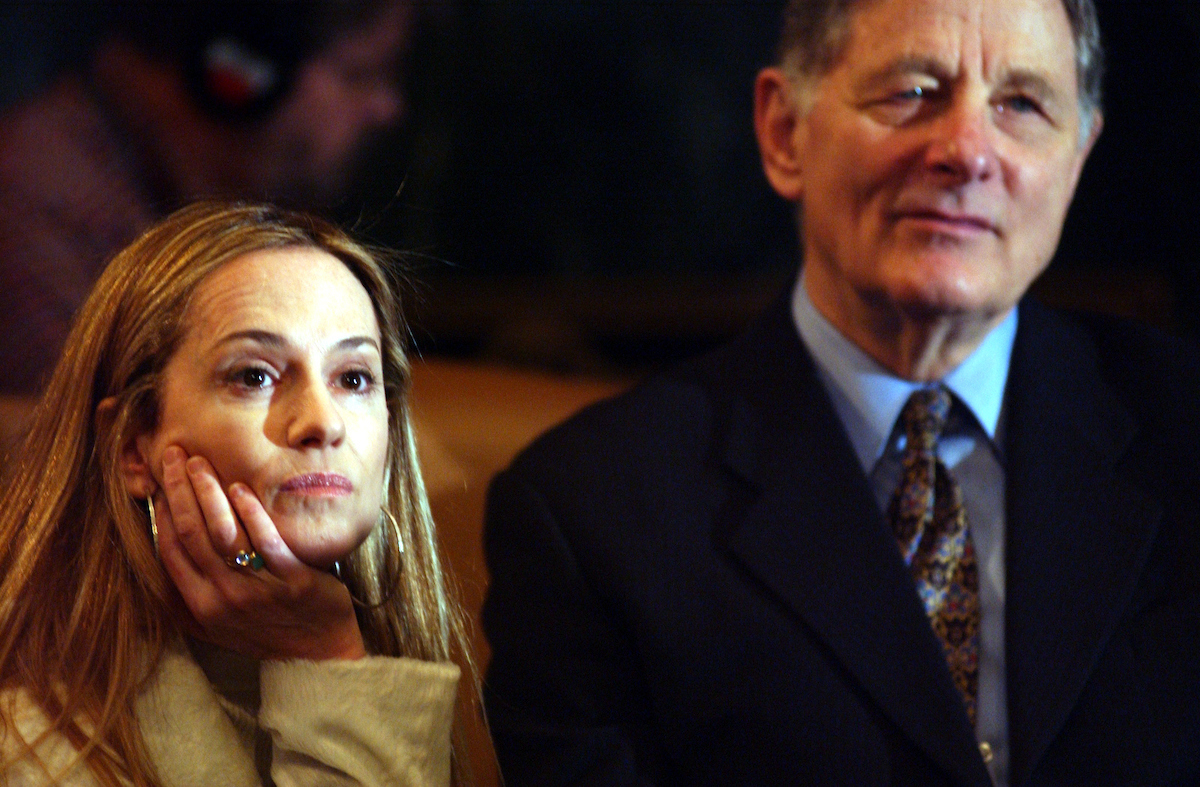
pixel 930 524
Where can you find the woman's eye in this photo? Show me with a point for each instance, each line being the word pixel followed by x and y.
pixel 913 93
pixel 252 377
pixel 357 380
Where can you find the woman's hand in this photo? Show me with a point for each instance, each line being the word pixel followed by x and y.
pixel 284 610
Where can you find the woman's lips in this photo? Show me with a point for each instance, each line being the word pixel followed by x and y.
pixel 321 484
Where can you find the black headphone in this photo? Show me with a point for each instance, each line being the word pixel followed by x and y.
pixel 240 59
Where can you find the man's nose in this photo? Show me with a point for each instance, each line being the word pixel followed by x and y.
pixel 315 421
pixel 962 148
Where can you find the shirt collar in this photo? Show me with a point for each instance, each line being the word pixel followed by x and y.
pixel 868 397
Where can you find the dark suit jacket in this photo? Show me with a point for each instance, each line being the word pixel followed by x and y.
pixel 692 584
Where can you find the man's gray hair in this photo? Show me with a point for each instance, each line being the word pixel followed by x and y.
pixel 815 31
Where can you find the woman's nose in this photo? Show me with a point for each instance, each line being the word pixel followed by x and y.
pixel 316 421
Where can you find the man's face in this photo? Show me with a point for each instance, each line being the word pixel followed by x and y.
pixel 308 148
pixel 938 159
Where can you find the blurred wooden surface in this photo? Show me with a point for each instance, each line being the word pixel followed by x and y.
pixel 471 420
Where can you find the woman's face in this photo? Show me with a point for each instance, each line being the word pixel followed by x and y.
pixel 278 382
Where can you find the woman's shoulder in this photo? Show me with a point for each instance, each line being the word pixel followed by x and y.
pixel 34 754
pixel 395 712
pixel 30 752
pixel 403 685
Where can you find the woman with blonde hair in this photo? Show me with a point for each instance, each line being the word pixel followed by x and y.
pixel 217 563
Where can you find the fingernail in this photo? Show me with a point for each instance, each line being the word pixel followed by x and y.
pixel 195 465
pixel 173 455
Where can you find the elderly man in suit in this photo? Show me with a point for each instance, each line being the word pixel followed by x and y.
pixel 911 528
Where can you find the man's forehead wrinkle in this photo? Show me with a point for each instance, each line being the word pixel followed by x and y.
pixel 916 38
pixel 944 40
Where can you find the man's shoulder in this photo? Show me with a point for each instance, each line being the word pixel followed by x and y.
pixel 1130 354
pixel 669 408
pixel 1154 375
pixel 1145 353
pixel 672 415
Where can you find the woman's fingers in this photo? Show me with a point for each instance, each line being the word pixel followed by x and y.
pixel 198 516
pixel 213 506
pixel 263 533
pixel 174 553
pixel 174 557
pixel 191 527
pixel 194 588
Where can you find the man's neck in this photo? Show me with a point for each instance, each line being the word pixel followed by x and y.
pixel 914 345
pixel 868 397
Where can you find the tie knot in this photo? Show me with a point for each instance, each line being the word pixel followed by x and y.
pixel 924 417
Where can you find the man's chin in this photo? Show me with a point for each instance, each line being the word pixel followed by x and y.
pixel 945 285
pixel 956 301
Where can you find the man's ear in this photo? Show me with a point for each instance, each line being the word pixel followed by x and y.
pixel 1085 147
pixel 1097 125
pixel 134 459
pixel 777 124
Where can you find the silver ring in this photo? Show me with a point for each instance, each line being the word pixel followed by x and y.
pixel 247 559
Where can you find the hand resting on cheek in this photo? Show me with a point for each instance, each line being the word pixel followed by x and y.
pixel 285 610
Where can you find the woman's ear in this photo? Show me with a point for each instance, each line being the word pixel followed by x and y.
pixel 778 124
pixel 134 461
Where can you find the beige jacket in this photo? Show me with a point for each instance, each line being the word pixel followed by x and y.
pixel 377 721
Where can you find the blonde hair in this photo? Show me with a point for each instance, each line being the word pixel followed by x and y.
pixel 84 601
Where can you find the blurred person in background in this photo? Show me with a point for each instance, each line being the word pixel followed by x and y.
pixel 271 100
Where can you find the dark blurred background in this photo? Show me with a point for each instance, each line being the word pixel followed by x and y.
pixel 580 186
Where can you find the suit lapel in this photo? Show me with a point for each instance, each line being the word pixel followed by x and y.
pixel 1078 534
pixel 815 539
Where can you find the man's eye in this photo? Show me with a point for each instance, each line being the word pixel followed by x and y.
pixel 1020 104
pixel 901 103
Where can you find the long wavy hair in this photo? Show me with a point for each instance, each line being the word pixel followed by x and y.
pixel 84 602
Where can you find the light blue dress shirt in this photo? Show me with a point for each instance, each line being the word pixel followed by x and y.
pixel 868 399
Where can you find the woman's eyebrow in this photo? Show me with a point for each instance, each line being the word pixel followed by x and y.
pixel 351 342
pixel 275 340
pixel 260 337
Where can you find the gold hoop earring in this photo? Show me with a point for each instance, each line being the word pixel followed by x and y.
pixel 153 523
pixel 395 529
